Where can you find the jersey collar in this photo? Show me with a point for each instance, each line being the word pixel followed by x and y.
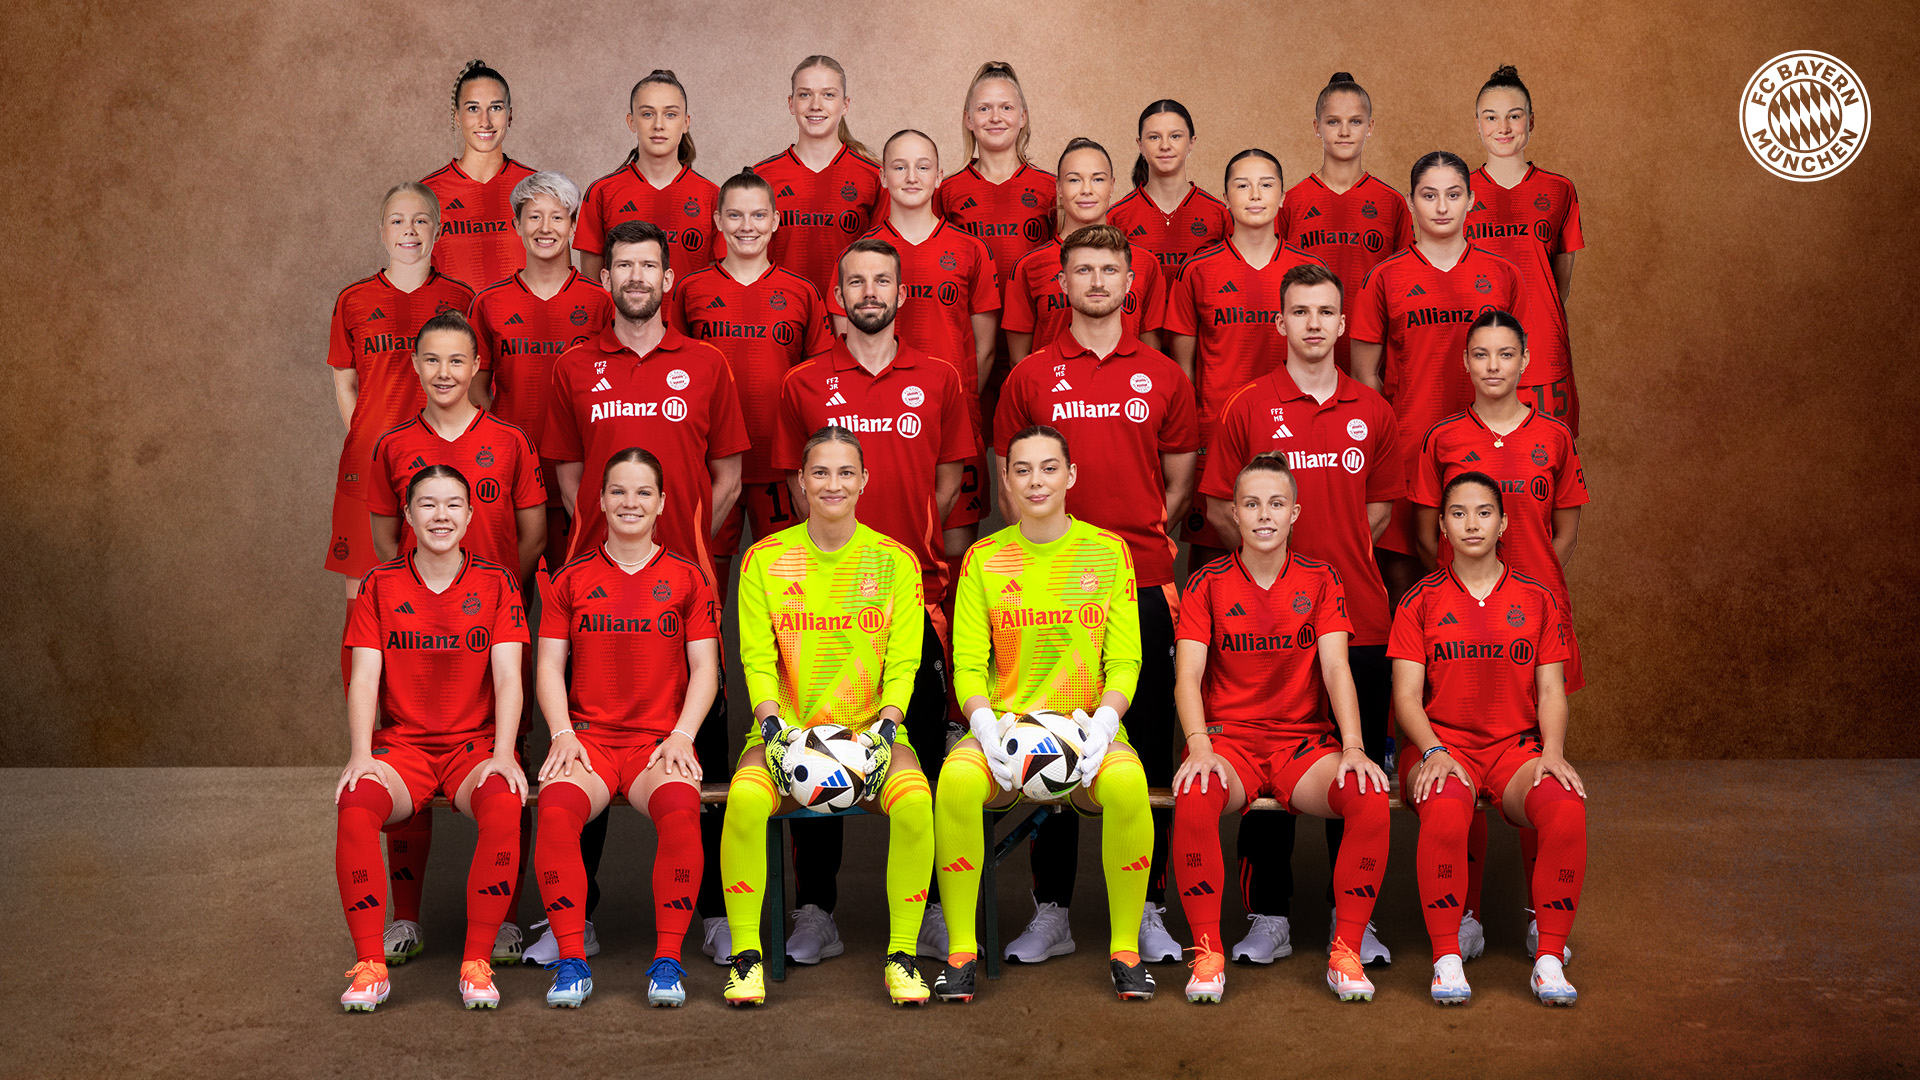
pixel 843 359
pixel 1345 386
pixel 634 168
pixel 466 560
pixel 1239 561
pixel 1465 254
pixel 505 164
pixel 1505 572
pixel 609 342
pixel 1071 349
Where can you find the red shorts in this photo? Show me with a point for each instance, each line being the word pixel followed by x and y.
pixel 1400 531
pixel 1272 766
pixel 430 768
pixel 971 507
pixel 769 507
pixel 1492 767
pixel 1559 400
pixel 620 760
pixel 350 549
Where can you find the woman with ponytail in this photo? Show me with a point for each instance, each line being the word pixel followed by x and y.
pixel 826 186
pixel 477 244
pixel 1166 213
pixel 656 184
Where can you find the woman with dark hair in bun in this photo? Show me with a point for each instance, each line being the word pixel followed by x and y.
pixel 1342 214
pixel 656 184
pixel 477 242
pixel 1167 213
pixel 1532 217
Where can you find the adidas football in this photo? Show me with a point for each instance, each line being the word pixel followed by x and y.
pixel 1045 748
pixel 826 770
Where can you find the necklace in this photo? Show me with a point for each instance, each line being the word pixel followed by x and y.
pixel 641 562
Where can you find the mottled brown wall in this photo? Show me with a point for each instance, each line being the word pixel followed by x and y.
pixel 189 186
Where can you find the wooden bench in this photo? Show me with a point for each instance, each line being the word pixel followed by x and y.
pixel 774 914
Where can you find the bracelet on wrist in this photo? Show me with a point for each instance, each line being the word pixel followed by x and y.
pixel 556 734
pixel 1345 749
pixel 677 731
pixel 1191 734
pixel 1435 750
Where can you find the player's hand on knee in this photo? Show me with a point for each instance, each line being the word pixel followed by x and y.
pixel 1434 770
pixel 563 751
pixel 1557 767
pixel 504 767
pixel 358 770
pixel 1202 765
pixel 1369 776
pixel 675 754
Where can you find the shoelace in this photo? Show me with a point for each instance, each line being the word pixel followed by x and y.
pixel 1345 961
pixel 1047 917
pixel 569 970
pixel 477 974
pixel 1206 963
pixel 366 973
pixel 1270 924
pixel 664 972
pixel 815 919
pixel 1153 921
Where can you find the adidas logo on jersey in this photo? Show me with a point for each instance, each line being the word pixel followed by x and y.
pixel 1449 620
pixel 1061 387
pixel 1283 432
pixel 629 208
pixel 1011 589
pixel 786 192
pixel 516 320
pixel 377 314
pixel 716 303
pixel 1138 230
pixel 837 399
pixel 455 205
pixel 969 204
pixel 1478 205
pixel 404 609
pixel 1228 287
pixel 418 462
pixel 1416 291
pixel 598 593
pixel 1312 212
pixel 1236 610
pixel 796 589
pixel 599 386
pixel 1472 455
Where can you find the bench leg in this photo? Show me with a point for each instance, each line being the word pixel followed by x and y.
pixel 773 920
pixel 989 920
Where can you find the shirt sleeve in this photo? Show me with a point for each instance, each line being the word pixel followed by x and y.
pixel 789 427
pixel 363 618
pixel 1570 488
pixel 382 499
pixel 590 234
pixel 1424 486
pixel 1010 416
pixel 759 656
pixel 1407 640
pixel 726 429
pixel 556 608
pixel 562 441
pixel 1402 225
pixel 972 645
pixel 818 335
pixel 1120 647
pixel 339 342
pixel 1228 454
pixel 1330 614
pixel 986 281
pixel 529 486
pixel 510 612
pixel 1183 306
pixel 702 615
pixel 1016 313
pixel 484 343
pixel 1180 434
pixel 1553 647
pixel 676 310
pixel 1570 238
pixel 1196 610
pixel 956 427
pixel 1153 297
pixel 1387 480
pixel 1369 320
pixel 906 628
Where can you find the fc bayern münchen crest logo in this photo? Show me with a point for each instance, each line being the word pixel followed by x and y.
pixel 1804 116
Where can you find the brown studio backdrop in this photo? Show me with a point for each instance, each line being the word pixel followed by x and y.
pixel 192 186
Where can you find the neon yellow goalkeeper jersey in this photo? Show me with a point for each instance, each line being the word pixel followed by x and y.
pixel 1046 626
pixel 834 637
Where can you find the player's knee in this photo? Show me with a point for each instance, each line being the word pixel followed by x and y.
pixel 965 782
pixel 1121 784
pixel 751 798
pixel 364 808
pixel 1556 811
pixel 564 809
pixel 1367 810
pixel 908 802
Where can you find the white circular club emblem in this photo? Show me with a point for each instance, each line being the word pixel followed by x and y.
pixel 677 379
pixel 1804 116
pixel 1356 429
pixel 1140 383
pixel 912 397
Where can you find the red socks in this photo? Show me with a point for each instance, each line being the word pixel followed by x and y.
pixel 1560 816
pixel 356 862
pixel 677 864
pixel 1361 862
pixel 1199 868
pixel 1476 862
pixel 1440 862
pixel 1530 854
pixel 496 863
pixel 564 811
pixel 408 844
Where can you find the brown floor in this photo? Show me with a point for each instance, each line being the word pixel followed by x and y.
pixel 181 922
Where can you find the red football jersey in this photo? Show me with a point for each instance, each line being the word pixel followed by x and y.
pixel 1229 309
pixel 683 210
pixel 1037 305
pixel 763 328
pixel 1350 231
pixel 502 470
pixel 436 674
pixel 374 325
pixel 1199 222
pixel 476 244
pixel 1119 414
pixel 1480 655
pixel 627 635
pixel 678 402
pixel 1262 668
pixel 821 212
pixel 945 280
pixel 1420 316
pixel 1344 454
pixel 522 335
pixel 1011 218
pixel 1529 224
pixel 910 418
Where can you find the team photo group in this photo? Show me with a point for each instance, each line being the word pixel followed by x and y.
pixel 582 420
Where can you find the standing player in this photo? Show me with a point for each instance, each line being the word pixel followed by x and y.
pixel 1000 197
pixel 1343 215
pixel 826 185
pixel 764 320
pixel 1533 457
pixel 949 298
pixel 637 627
pixel 1478 690
pixel 831 625
pixel 525 322
pixel 508 529
pixel 1131 409
pixel 370 349
pixel 909 410
pixel 1343 448
pixel 1532 217
pixel 1045 619
pixel 657 183
pixel 1409 327
pixel 1166 213
pixel 1263 642
pixel 477 243
pixel 1220 312
pixel 436 637
pixel 1036 307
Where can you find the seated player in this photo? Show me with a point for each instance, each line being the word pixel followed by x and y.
pixel 1046 618
pixel 830 633
pixel 509 528
pixel 636 626
pixel 436 636
pixel 1479 655
pixel 1527 451
pixel 1263 639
